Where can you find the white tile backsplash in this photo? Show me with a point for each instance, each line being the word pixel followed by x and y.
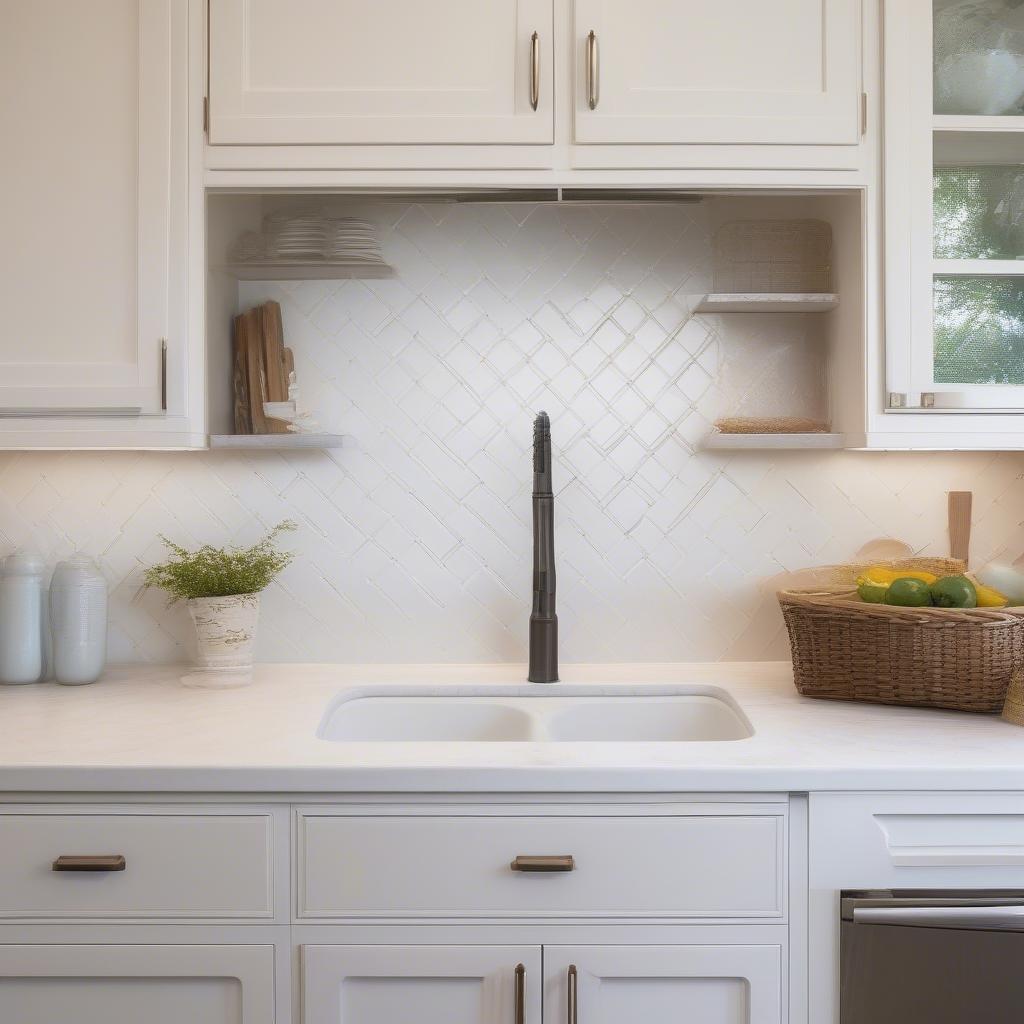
pixel 415 546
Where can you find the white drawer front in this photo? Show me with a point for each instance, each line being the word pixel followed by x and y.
pixel 668 865
pixel 879 840
pixel 176 865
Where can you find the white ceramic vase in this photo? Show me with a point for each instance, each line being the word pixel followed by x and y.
pixel 225 638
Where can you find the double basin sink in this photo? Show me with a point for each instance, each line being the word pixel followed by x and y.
pixel 552 713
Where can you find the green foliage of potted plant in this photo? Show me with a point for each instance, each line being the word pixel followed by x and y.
pixel 222 587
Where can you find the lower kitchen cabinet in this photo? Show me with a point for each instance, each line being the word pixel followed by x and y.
pixel 425 984
pixel 663 984
pixel 118 984
pixel 713 984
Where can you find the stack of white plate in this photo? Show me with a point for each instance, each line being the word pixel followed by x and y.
pixel 310 239
pixel 351 241
pixel 296 238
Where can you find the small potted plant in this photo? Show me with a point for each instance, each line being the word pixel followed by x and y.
pixel 221 587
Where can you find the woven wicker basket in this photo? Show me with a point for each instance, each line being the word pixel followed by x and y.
pixel 846 649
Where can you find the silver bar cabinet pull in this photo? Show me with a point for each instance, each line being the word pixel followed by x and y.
pixel 572 1000
pixel 90 862
pixel 593 71
pixel 534 70
pixel 543 864
pixel 520 994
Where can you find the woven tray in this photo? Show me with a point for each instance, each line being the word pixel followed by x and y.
pixel 846 649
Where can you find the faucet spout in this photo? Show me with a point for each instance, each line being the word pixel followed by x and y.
pixel 543 620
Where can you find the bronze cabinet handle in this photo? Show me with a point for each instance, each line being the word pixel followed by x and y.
pixel 543 864
pixel 520 994
pixel 90 862
pixel 534 71
pixel 593 72
pixel 572 1000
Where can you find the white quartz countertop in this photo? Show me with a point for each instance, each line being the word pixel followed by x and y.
pixel 139 730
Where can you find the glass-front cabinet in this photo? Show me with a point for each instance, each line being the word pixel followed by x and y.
pixel 954 205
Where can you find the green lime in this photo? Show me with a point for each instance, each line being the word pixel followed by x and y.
pixel 908 593
pixel 954 592
pixel 872 593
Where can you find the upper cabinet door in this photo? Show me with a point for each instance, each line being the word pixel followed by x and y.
pixel 93 205
pixel 387 71
pixel 954 192
pixel 784 72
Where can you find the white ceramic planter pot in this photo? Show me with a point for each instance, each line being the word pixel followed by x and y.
pixel 225 638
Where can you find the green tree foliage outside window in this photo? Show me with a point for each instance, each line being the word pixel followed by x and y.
pixel 979 321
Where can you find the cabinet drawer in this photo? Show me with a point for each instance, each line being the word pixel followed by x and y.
pixel 883 840
pixel 176 865
pixel 683 863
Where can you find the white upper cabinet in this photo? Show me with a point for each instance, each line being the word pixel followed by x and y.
pixel 318 72
pixel 93 205
pixel 718 72
pixel 954 231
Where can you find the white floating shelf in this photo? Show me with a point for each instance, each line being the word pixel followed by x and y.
pixel 768 302
pixel 753 442
pixel 280 442
pixel 307 271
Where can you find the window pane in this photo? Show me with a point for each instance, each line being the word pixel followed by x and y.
pixel 978 56
pixel 979 213
pixel 979 330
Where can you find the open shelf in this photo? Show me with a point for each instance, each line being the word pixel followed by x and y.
pixel 306 271
pixel 280 442
pixel 778 442
pixel 767 302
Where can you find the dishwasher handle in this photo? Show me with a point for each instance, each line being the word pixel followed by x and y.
pixel 1008 918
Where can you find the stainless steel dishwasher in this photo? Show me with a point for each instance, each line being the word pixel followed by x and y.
pixel 917 956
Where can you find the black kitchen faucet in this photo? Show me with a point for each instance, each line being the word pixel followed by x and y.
pixel 543 620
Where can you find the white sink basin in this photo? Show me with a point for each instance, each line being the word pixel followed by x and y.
pixel 535 714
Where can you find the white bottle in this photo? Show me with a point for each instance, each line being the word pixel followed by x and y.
pixel 78 621
pixel 21 618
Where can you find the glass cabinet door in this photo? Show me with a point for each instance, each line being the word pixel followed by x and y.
pixel 954 167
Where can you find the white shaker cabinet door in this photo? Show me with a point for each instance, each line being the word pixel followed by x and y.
pixel 421 984
pixel 711 984
pixel 743 72
pixel 387 71
pixel 95 984
pixel 93 205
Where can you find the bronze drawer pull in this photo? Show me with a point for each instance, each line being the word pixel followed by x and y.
pixel 573 995
pixel 561 863
pixel 90 862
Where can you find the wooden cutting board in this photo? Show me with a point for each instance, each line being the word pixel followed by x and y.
pixel 255 371
pixel 276 375
pixel 240 377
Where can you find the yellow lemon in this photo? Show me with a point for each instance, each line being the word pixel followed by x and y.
pixel 882 574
